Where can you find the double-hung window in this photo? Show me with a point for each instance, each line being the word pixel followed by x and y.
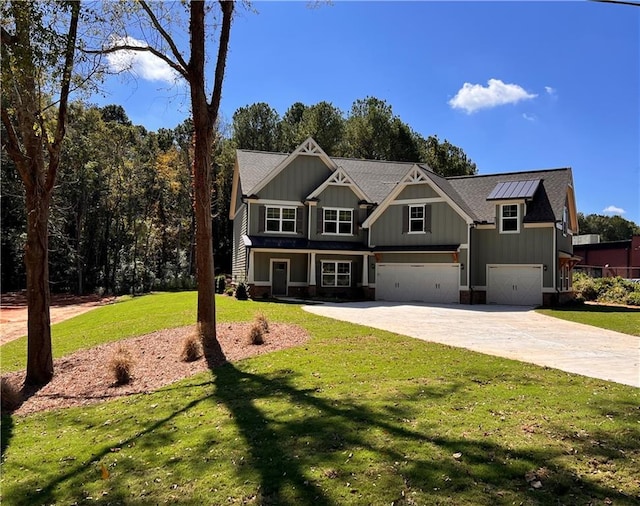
pixel 338 221
pixel 509 218
pixel 416 219
pixel 335 273
pixel 280 219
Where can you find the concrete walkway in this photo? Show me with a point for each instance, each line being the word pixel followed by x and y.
pixel 504 331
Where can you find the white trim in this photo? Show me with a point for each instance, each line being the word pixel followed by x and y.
pixel 537 225
pixel 281 220
pixel 276 203
pixel 288 280
pixel 408 202
pixel 336 262
pixel 337 221
pixel 234 189
pixel 308 147
pixel 409 178
pixel 501 218
pixel 486 226
pixel 339 178
pixel 447 252
pixel 317 251
pixel 420 220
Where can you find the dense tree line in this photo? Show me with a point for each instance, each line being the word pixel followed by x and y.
pixel 122 217
pixel 610 228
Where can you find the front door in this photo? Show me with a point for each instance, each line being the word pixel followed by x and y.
pixel 279 278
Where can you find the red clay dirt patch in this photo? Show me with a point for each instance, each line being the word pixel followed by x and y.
pixel 13 311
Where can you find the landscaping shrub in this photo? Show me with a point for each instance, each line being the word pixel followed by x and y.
pixel 221 284
pixel 607 290
pixel 10 396
pixel 633 299
pixel 121 365
pixel 242 292
pixel 584 287
pixel 191 348
pixel 261 319
pixel 256 334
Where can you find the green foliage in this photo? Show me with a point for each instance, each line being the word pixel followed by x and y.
pixel 242 291
pixel 610 228
pixel 584 287
pixel 355 416
pixel 221 283
pixel 633 299
pixel 606 290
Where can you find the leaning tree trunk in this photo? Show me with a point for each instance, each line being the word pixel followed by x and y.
pixel 36 258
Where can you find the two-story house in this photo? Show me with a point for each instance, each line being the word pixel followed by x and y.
pixel 306 224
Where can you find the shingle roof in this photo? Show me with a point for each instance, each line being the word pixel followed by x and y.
pixel 255 165
pixel 378 178
pixel 547 205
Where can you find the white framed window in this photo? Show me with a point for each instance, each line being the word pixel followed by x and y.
pixel 565 278
pixel 565 221
pixel 280 219
pixel 336 273
pixel 509 218
pixel 416 219
pixel 337 221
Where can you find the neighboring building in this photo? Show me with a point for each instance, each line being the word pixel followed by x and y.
pixel 607 259
pixel 306 224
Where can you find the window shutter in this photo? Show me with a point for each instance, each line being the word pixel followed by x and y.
pixel 356 227
pixel 405 219
pixel 320 212
pixel 427 218
pixel 261 217
pixel 299 216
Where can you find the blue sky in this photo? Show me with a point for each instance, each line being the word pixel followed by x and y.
pixel 517 85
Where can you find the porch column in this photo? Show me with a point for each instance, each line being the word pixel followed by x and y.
pixel 312 269
pixel 250 279
pixel 365 270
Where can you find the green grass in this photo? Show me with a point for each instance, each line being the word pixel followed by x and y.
pixel 619 319
pixel 355 416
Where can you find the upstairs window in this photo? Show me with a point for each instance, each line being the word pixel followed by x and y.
pixel 565 221
pixel 509 218
pixel 280 219
pixel 338 221
pixel 416 219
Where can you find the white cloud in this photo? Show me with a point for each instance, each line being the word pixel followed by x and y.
pixel 529 117
pixel 473 97
pixel 141 63
pixel 550 91
pixel 613 210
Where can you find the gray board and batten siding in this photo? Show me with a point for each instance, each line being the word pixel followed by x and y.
pixel 297 180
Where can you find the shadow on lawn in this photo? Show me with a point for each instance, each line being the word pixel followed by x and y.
pixel 312 449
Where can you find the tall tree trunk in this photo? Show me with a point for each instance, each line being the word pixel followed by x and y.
pixel 36 259
pixel 36 153
pixel 203 125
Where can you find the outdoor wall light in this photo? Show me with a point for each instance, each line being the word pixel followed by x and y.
pixel 461 267
pixel 545 267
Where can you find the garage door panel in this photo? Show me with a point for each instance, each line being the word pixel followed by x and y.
pixel 417 283
pixel 515 285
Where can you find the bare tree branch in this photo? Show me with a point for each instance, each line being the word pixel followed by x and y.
pixel 216 95
pixel 145 49
pixel 164 34
pixel 634 4
pixel 7 38
pixel 67 71
pixel 12 145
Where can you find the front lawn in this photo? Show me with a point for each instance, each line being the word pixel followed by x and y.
pixel 355 416
pixel 617 318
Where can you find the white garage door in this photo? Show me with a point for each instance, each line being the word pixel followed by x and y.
pixel 436 283
pixel 519 285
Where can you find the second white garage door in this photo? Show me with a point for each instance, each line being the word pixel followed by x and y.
pixel 436 283
pixel 519 285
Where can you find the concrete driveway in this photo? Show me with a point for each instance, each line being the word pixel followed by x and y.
pixel 504 331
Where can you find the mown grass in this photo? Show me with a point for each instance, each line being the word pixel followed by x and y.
pixel 617 318
pixel 355 416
